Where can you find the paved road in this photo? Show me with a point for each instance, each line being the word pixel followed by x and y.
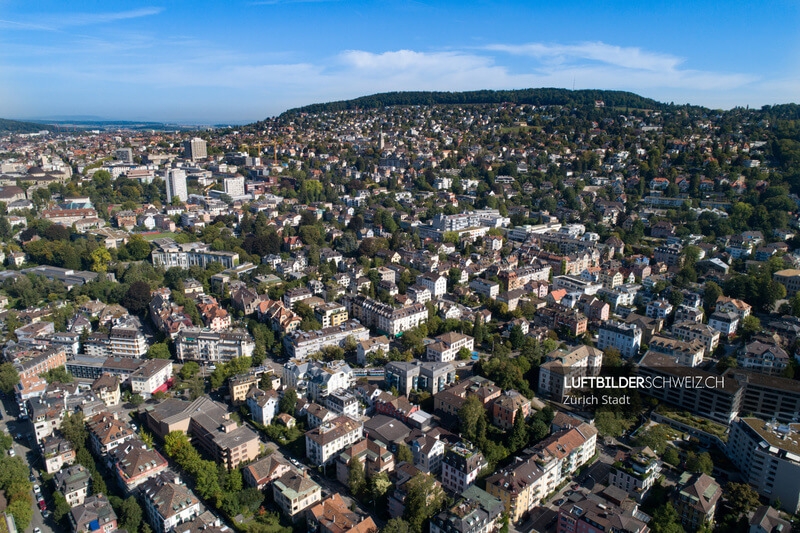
pixel 30 455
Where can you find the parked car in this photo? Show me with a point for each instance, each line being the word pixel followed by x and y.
pixel 11 452
pixel 560 502
pixel 42 505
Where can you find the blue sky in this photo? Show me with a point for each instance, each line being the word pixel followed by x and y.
pixel 238 61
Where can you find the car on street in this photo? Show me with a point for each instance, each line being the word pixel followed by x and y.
pixel 37 530
pixel 11 452
pixel 559 502
pixel 42 505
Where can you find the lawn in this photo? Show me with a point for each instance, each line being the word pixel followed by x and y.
pixel 159 236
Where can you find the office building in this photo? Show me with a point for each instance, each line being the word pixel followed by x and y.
pixel 195 148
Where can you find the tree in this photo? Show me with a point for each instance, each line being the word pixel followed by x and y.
pixel 516 337
pixel 130 514
pixel 423 500
pixel 699 463
pixel 741 498
pixel 137 298
pixel 288 401
pixel 671 456
pixel 519 432
pixel 61 507
pixel 396 525
pixel 9 377
pixel 666 520
pixel 189 370
pixel 356 480
pixel 404 454
pixel 160 350
pixel 468 415
pixel 136 400
pixel 100 259
pixel 750 326
pixel 711 292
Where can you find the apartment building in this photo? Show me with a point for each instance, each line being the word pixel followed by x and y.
pixel 374 455
pixel 317 379
pixel 682 352
pixel 460 467
pixel 428 376
pixel 575 284
pixel 601 513
pixel 726 322
pixel 263 405
pixel 370 345
pixel 446 346
pixel 387 319
pixel 762 357
pixel 625 338
pixel 133 463
pixel 168 253
pixel 294 492
pixel 127 339
pixel 56 452
pixel 240 385
pixel 73 483
pixel 264 471
pixel 435 283
pixel 106 433
pixel 689 331
pixel 106 387
pixel 328 439
pixel 561 367
pixel 168 503
pixel 789 278
pixel 505 408
pixel 768 456
pixel 696 498
pixel 152 376
pixel 301 344
pixel 223 439
pixel 208 346
pixel 40 363
pixel 716 397
pixel 636 472
pixel 476 511
pixel 733 305
pixel 330 314
pixel 486 288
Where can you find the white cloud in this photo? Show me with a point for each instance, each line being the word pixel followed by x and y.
pixel 67 20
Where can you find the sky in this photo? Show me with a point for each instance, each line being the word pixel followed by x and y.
pixel 237 61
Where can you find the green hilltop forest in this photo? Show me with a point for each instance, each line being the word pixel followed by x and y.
pixel 16 126
pixel 521 96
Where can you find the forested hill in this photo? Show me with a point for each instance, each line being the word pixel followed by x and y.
pixel 520 96
pixel 16 126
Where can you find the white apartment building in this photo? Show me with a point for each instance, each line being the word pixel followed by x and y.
pixel 206 345
pixel 448 345
pixel 625 338
pixel 768 456
pixel 689 331
pixel 168 254
pixel 127 340
pixel 300 344
pixel 389 320
pixel 317 379
pixel 326 440
pixel 490 289
pixel 686 353
pixel 574 284
pixel 168 504
pixel 176 185
pixel 435 283
pixel 234 186
pixel 263 405
pixel 151 376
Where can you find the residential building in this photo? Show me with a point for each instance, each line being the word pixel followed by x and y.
pixel 106 433
pixel 176 185
pixel 486 288
pixel 681 352
pixel 435 283
pixel 385 318
pixel 205 345
pixel 264 471
pixel 330 314
pixel 766 358
pixel 623 337
pixel 725 322
pixel 106 387
pixel 300 344
pixel 696 498
pixel 195 148
pixel 56 452
pixel 263 405
pixel 767 519
pixel 73 483
pixel 593 513
pixel 556 375
pixel 154 375
pixel 133 463
pixel 328 439
pixel 168 503
pixel 294 492
pixel 94 515
pixel 370 345
pixel 690 330
pixel 460 467
pixel 505 408
pixel 789 278
pixel 476 511
pixel 225 441
pixel 428 376
pixel 636 472
pixel 240 385
pixel 332 515
pixel 447 346
pixel 167 253
pixel 768 456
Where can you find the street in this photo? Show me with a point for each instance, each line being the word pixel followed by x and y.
pixel 30 457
